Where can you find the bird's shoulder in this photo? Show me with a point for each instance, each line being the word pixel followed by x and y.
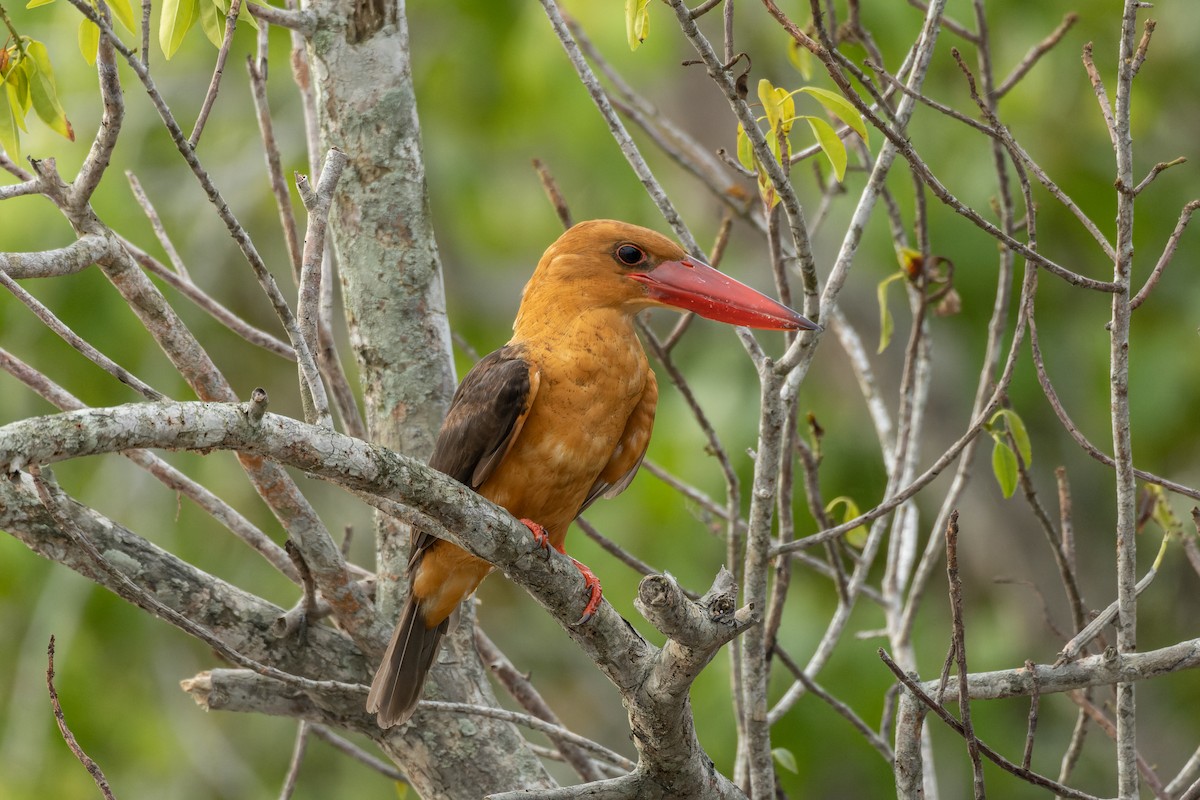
pixel 486 415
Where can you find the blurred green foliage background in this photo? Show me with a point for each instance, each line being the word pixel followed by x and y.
pixel 495 90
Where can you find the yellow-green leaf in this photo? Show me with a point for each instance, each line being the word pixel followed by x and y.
pixel 801 58
pixel 857 536
pixel 16 86
pixel 1016 427
pixel 42 90
pixel 10 140
pixel 89 40
pixel 123 11
pixel 212 21
pixel 886 325
pixel 772 102
pixel 637 22
pixel 831 145
pixel 1004 466
pixel 178 16
pixel 745 150
pixel 36 3
pixel 840 107
pixel 785 759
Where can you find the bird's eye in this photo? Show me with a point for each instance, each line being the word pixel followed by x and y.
pixel 630 255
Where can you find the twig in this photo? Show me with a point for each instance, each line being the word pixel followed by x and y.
pixel 156 224
pixel 298 751
pixel 552 193
pixel 92 767
pixel 137 595
pixel 60 329
pixel 1032 724
pixel 524 692
pixel 172 478
pixel 1034 55
pixel 997 759
pixel 1077 435
pixel 1168 253
pixel 960 654
pixel 1155 170
pixel 279 188
pixel 214 85
pixel 531 722
pixel 617 129
pixel 357 753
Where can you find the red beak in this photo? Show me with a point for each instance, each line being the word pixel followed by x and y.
pixel 692 285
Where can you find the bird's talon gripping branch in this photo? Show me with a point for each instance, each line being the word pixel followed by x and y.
pixel 539 535
pixel 591 585
pixel 557 418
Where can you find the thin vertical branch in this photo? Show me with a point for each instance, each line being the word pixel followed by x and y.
pixel 1126 490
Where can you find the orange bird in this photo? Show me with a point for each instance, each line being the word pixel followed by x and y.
pixel 559 416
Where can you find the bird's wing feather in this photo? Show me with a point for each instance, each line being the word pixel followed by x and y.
pixel 623 465
pixel 484 420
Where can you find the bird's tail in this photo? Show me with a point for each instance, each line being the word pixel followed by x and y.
pixel 397 687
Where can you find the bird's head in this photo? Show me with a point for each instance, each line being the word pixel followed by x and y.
pixel 604 263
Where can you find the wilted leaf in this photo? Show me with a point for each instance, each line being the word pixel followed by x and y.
pixel 831 145
pixel 886 325
pixel 840 107
pixel 785 759
pixel 637 22
pixel 911 261
pixel 89 40
pixel 855 537
pixel 178 16
pixel 42 91
pixel 1004 466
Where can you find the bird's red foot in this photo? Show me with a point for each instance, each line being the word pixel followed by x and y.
pixel 539 535
pixel 591 585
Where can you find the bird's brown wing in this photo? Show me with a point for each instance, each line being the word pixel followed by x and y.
pixel 485 418
pixel 623 465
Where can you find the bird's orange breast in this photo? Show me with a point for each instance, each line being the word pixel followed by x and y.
pixel 593 375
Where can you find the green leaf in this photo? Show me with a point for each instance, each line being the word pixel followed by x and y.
pixel 745 150
pixel 1016 427
pixel 886 325
pixel 855 537
pixel 1004 466
pixel 123 11
pixel 10 140
pixel 801 58
pixel 42 90
pixel 786 759
pixel 840 107
pixel 831 145
pixel 16 86
pixel 212 21
pixel 178 16
pixel 89 40
pixel 637 22
pixel 37 3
